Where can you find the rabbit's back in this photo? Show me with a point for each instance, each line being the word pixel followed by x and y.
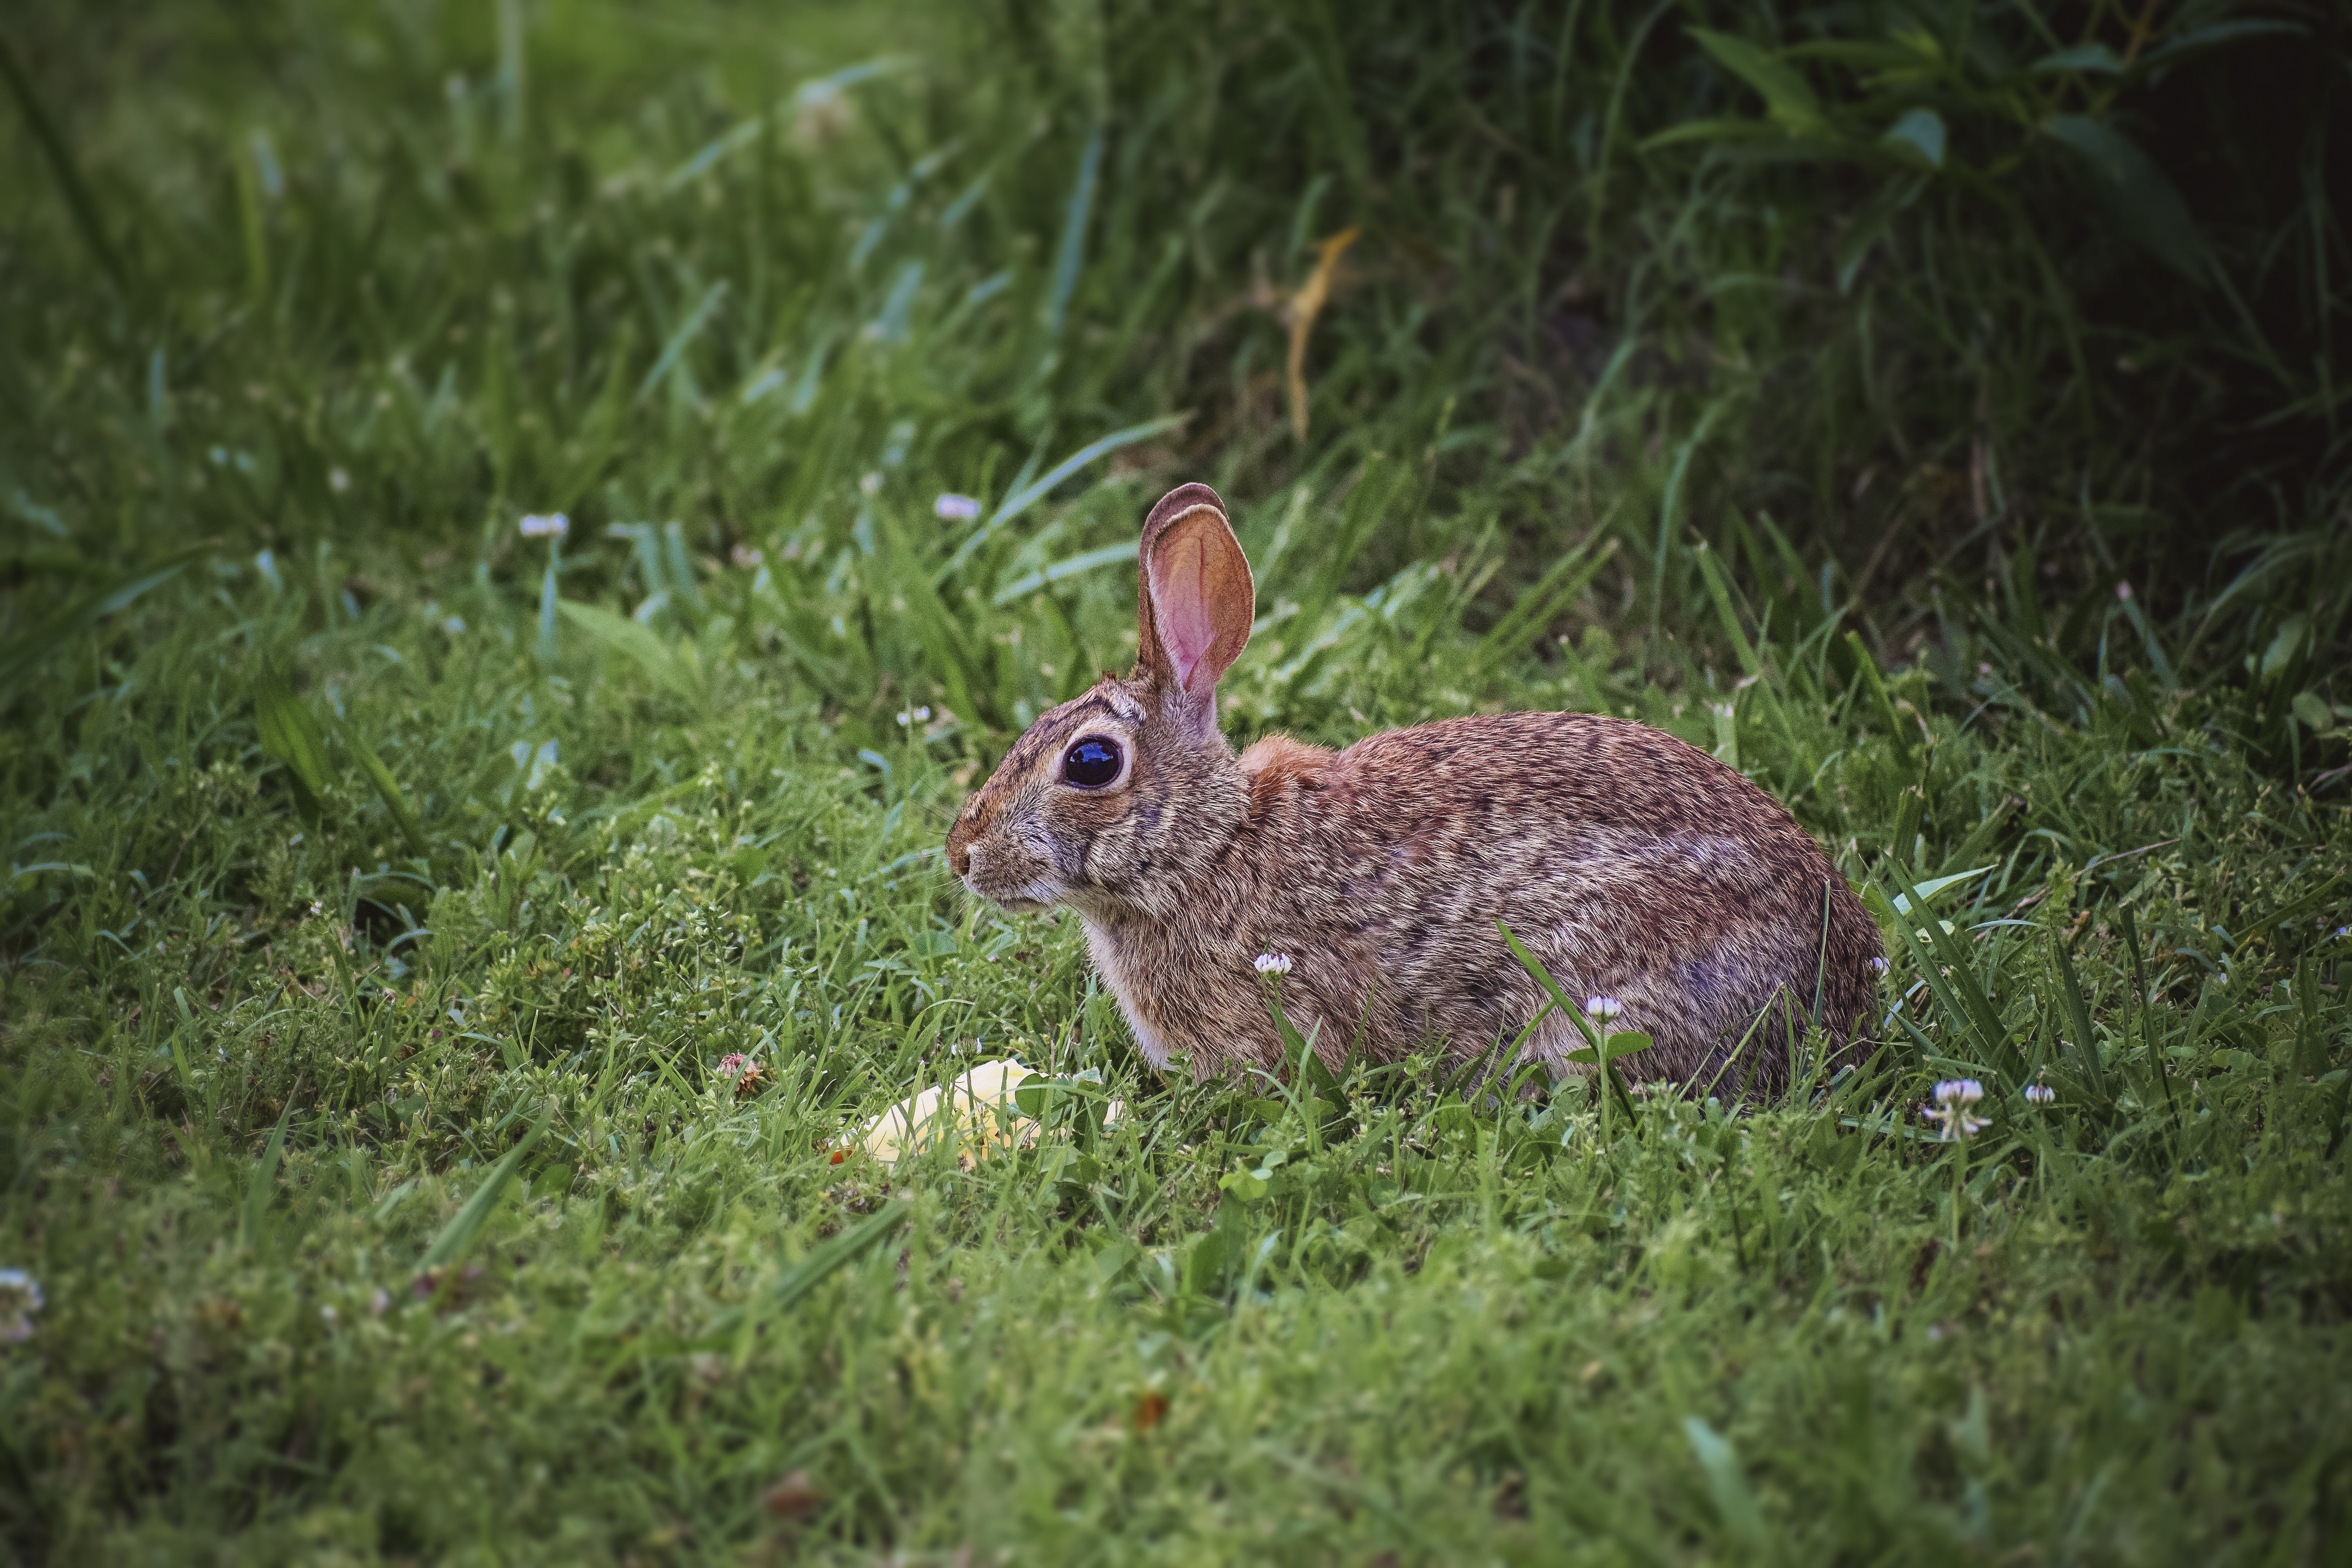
pixel 1634 866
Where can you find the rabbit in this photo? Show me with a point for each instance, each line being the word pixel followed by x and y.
pixel 1640 870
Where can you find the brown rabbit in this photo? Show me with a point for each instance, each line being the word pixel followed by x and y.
pixel 1638 869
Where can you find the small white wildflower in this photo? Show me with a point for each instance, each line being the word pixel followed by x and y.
pixel 1602 1007
pixel 338 481
pixel 869 484
pixel 327 1316
pixel 1953 1097
pixel 20 1298
pixel 317 908
pixel 1272 963
pixel 549 525
pixel 2040 1094
pixel 1878 967
pixel 953 507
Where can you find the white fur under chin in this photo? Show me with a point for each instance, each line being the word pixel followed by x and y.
pixel 1110 963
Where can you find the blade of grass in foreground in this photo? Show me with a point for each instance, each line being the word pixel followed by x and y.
pixel 387 787
pixel 19 656
pixel 459 1233
pixel 825 1259
pixel 288 732
pixel 257 1190
pixel 669 667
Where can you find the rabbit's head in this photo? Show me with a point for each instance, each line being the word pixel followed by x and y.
pixel 1111 799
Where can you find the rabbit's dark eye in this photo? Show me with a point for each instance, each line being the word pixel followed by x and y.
pixel 1091 763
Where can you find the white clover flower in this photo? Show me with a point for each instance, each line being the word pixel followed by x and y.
pixel 20 1298
pixel 1272 963
pixel 1602 1008
pixel 1953 1097
pixel 2040 1094
pixel 953 507
pixel 548 525
pixel 1878 967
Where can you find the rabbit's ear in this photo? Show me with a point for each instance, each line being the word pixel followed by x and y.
pixel 1195 599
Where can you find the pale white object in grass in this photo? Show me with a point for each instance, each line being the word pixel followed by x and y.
pixel 976 1114
pixel 547 525
pixel 1602 1008
pixel 2040 1094
pixel 953 507
pixel 20 1298
pixel 1953 1097
pixel 1272 963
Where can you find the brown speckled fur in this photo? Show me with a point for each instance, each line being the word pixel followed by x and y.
pixel 1633 864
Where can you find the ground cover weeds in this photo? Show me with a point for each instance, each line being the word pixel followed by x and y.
pixel 446 962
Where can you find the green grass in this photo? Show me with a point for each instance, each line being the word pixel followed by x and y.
pixel 386 888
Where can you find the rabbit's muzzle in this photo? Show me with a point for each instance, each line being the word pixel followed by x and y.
pixel 994 867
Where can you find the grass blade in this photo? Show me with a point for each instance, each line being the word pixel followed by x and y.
pixel 1733 1501
pixel 1085 561
pixel 19 656
pixel 387 787
pixel 459 1233
pixel 2078 1019
pixel 288 732
pixel 1070 254
pixel 1866 669
pixel 264 1183
pixel 1028 495
pixel 669 667
pixel 1947 970
pixel 1556 590
pixel 70 185
pixel 836 1252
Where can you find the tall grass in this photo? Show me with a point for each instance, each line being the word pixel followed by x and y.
pixel 1932 412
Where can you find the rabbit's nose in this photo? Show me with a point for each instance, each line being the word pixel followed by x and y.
pixel 959 855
